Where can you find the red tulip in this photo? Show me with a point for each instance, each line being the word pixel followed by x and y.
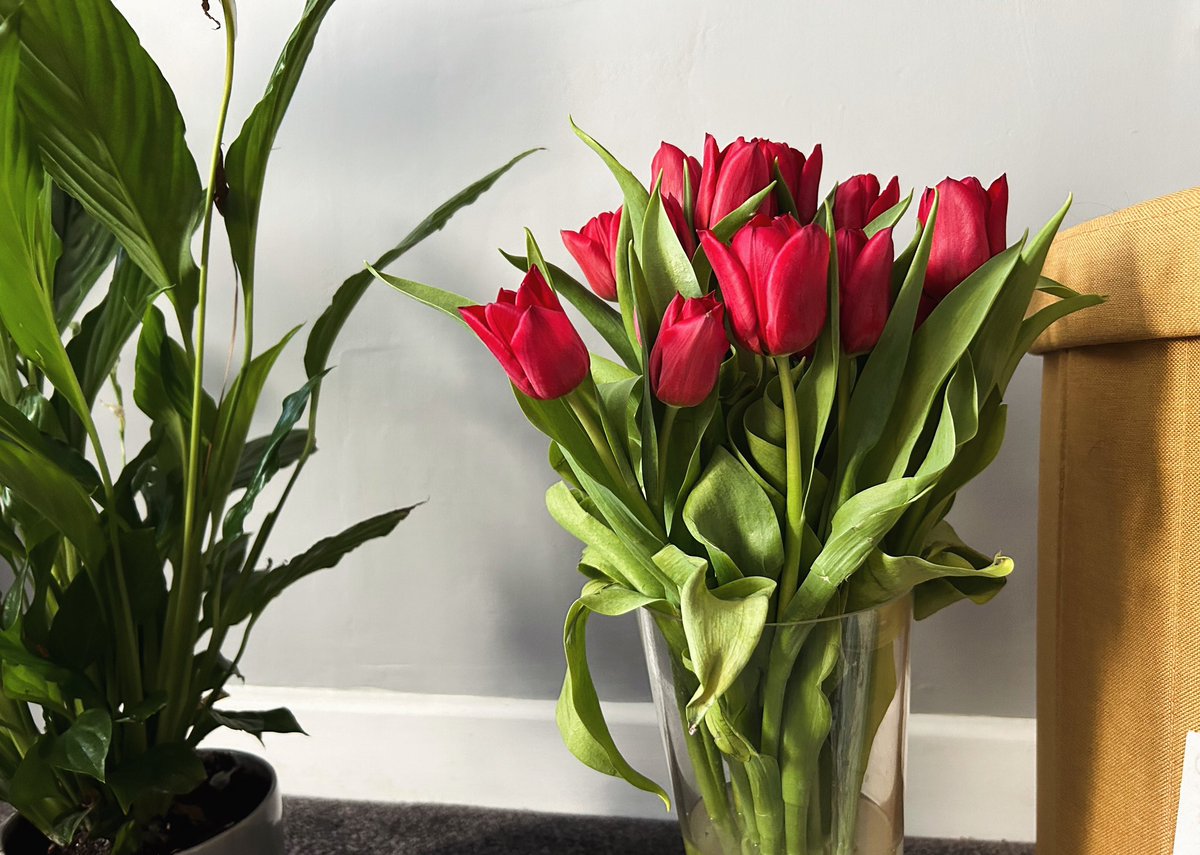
pixel 970 229
pixel 924 309
pixel 773 280
pixel 865 286
pixel 594 248
pixel 672 163
pixel 729 178
pixel 687 355
pixel 858 200
pixel 801 175
pixel 533 339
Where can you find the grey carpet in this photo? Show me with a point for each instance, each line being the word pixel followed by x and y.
pixel 318 827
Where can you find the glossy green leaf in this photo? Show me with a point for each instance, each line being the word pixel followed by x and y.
pixel 936 348
pixel 287 451
pixel 101 111
pixel 106 329
pixel 35 792
pixel 246 160
pixel 723 627
pixel 29 247
pixel 628 568
pixel 729 513
pixel 83 747
pixel 667 269
pixel 329 325
pixel 234 415
pixel 56 495
pixel 446 302
pixel 270 462
pixel 1032 327
pixel 579 716
pixel 890 217
pixel 88 248
pixel 877 387
pixel 278 720
pixel 635 193
pixel 169 768
pixel 884 577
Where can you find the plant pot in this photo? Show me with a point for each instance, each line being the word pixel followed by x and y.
pixel 259 832
pixel 822 774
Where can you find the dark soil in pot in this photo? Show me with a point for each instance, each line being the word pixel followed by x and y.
pixel 232 792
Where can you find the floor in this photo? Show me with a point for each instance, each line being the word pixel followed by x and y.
pixel 317 827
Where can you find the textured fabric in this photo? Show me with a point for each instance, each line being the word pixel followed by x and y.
pixel 1119 535
pixel 316 827
pixel 1145 260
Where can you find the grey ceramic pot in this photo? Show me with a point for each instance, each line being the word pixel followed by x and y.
pixel 260 833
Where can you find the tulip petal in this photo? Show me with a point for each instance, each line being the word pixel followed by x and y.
pixel 810 185
pixel 960 239
pixel 686 361
pixel 708 183
pixel 866 291
pixel 744 171
pixel 887 199
pixel 796 297
pixel 550 352
pixel 594 258
pixel 476 318
pixel 997 218
pixel 735 291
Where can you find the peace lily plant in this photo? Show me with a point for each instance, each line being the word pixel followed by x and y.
pixel 794 402
pixel 136 582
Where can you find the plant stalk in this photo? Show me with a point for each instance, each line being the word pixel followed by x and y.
pixel 794 535
pixel 180 636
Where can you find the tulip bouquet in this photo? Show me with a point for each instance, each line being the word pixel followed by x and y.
pixel 793 406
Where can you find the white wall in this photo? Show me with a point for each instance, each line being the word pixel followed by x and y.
pixel 404 102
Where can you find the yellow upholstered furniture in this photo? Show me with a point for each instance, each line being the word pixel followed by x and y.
pixel 1119 533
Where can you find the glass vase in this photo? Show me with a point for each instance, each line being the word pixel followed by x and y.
pixel 805 753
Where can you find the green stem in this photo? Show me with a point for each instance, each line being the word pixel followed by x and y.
pixel 180 637
pixel 595 431
pixel 664 444
pixel 794 535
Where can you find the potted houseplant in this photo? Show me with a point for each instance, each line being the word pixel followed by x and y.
pixel 135 575
pixel 764 473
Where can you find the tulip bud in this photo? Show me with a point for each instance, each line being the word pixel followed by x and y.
pixel 864 287
pixel 970 229
pixel 729 178
pixel 532 338
pixel 687 355
pixel 594 248
pixel 671 164
pixel 801 175
pixel 773 280
pixel 858 200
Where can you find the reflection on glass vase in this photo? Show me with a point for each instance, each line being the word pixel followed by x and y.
pixel 805 753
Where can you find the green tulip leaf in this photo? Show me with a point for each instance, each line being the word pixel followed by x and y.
pixel 636 196
pixel 890 217
pixel 724 231
pixel 884 577
pixel 722 627
pixel 877 387
pixel 666 266
pixel 729 513
pixel 446 302
pixel 580 718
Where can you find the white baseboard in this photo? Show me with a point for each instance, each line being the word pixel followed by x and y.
pixel 967 776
